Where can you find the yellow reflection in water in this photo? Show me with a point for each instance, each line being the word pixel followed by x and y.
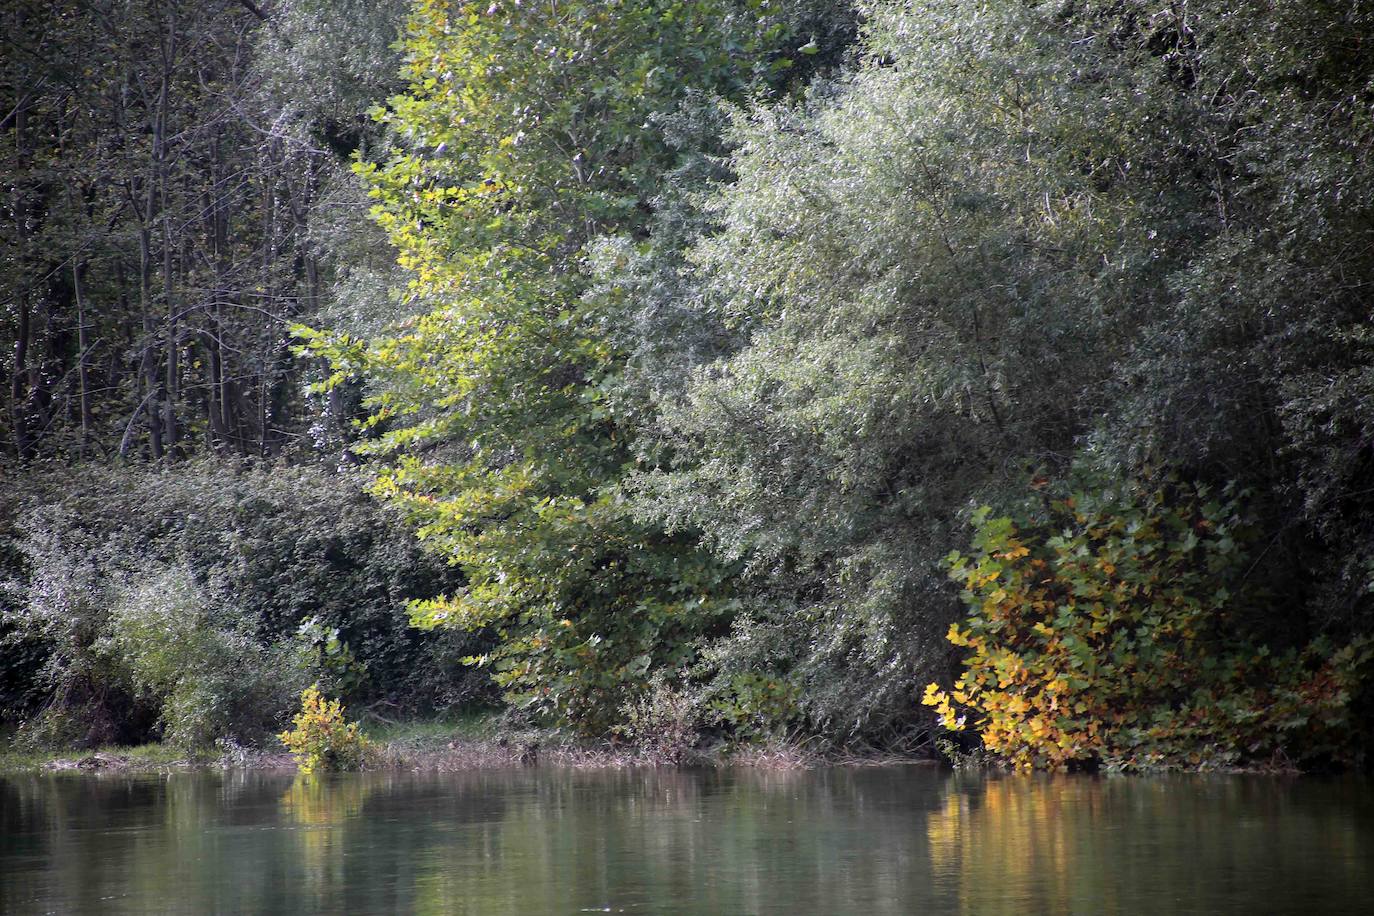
pixel 318 807
pixel 1014 846
pixel 1171 844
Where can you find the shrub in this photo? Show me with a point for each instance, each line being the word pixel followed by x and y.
pixel 1107 631
pixel 281 554
pixel 755 706
pixel 322 740
pixel 134 648
pixel 198 661
pixel 60 602
pixel 22 655
pixel 663 721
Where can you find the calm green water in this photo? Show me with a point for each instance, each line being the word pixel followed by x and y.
pixel 897 840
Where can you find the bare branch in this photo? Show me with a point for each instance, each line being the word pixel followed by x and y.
pixel 253 8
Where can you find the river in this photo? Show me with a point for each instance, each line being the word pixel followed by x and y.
pixel 910 840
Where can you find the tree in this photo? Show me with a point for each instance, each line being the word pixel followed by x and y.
pixel 161 202
pixel 1013 236
pixel 528 133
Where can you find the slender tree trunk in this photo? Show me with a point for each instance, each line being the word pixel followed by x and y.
pixel 150 361
pixel 269 254
pixel 114 367
pixel 83 349
pixel 18 394
pixel 172 333
pixel 220 420
pixel 19 420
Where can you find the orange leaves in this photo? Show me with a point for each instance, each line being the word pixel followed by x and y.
pixel 1089 640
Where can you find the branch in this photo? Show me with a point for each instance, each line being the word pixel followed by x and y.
pixel 22 104
pixel 127 439
pixel 253 8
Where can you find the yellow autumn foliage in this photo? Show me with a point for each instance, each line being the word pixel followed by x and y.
pixel 1109 639
pixel 322 739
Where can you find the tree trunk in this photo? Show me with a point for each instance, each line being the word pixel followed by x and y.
pixel 19 420
pixel 149 361
pixel 172 332
pixel 83 349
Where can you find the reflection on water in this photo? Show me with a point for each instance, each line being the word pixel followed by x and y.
pixel 530 841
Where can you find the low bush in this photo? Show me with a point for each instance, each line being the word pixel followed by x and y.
pixel 134 601
pixel 155 655
pixel 663 721
pixel 1108 629
pixel 322 739
pixel 199 663
pixel 755 707
pixel 80 695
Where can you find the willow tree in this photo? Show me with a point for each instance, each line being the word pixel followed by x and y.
pixel 1016 235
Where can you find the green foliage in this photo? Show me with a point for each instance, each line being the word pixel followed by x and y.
pixel 22 654
pixel 332 656
pixel 663 720
pixel 719 316
pixel 256 560
pixel 1105 628
pixel 199 662
pixel 781 346
pixel 1015 236
pixel 529 131
pixel 60 602
pixel 321 739
pixel 755 706
pixel 162 653
pixel 891 308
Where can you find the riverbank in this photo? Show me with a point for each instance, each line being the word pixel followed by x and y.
pixel 476 741
pixel 439 746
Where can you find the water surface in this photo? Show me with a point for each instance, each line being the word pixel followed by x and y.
pixel 894 840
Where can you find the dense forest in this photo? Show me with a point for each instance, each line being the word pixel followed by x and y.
pixel 989 374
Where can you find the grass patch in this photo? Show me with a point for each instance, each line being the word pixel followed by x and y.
pixel 406 738
pixel 434 734
pixel 140 757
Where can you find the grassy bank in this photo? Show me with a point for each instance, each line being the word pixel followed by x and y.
pixel 142 757
pixel 467 741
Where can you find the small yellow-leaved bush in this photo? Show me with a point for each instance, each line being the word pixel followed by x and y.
pixel 322 739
